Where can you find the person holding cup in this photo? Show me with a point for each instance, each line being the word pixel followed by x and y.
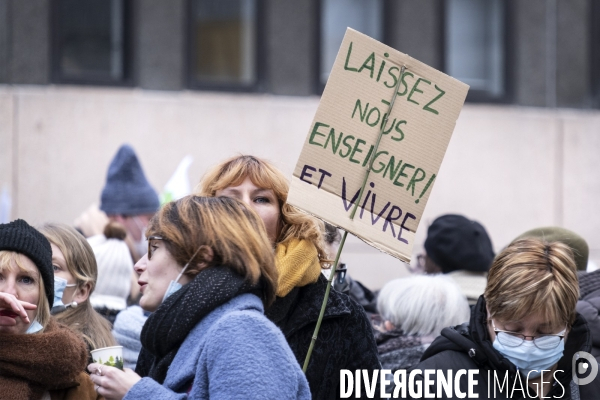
pixel 39 358
pixel 75 276
pixel 207 277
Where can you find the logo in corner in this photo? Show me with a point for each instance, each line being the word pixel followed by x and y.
pixel 582 363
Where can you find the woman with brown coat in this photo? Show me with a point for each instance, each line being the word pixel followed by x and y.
pixel 39 358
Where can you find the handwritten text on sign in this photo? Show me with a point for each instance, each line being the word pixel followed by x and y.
pixel 341 143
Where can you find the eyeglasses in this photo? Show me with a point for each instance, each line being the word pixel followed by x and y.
pixel 150 239
pixel 513 339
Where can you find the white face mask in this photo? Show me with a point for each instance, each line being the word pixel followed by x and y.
pixel 141 246
pixel 34 327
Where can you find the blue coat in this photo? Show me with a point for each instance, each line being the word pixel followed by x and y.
pixel 235 352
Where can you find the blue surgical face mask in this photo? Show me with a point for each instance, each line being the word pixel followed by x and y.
pixel 34 327
pixel 527 357
pixel 174 286
pixel 59 287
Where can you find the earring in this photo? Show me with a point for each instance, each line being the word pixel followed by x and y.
pixel 73 304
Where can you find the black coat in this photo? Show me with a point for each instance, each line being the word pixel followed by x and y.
pixel 468 346
pixel 589 306
pixel 345 340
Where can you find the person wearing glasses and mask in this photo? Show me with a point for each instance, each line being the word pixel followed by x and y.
pixel 461 249
pixel 524 329
pixel 207 277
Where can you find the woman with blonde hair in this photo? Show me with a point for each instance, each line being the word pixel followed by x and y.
pixel 208 275
pixel 39 358
pixel 345 339
pixel 75 276
pixel 524 337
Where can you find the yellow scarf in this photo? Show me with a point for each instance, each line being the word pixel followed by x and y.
pixel 297 263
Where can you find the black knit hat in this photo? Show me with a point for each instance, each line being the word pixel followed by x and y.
pixel 127 191
pixel 20 237
pixel 457 243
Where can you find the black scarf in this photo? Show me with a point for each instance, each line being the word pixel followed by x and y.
pixel 166 329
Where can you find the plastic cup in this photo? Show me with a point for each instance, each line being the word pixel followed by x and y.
pixel 111 356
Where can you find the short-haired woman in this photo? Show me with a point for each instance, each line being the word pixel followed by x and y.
pixel 207 277
pixel 413 312
pixel 39 358
pixel 346 339
pixel 524 329
pixel 75 276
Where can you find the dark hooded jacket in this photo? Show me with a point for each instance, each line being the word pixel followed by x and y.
pixel 345 340
pixel 589 306
pixel 468 346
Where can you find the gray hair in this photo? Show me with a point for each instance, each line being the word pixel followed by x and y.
pixel 423 304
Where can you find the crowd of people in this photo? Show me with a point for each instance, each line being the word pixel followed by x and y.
pixel 218 294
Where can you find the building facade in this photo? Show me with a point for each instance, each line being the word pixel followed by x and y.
pixel 213 78
pixel 541 53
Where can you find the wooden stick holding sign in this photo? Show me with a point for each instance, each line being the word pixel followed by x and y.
pixel 358 143
pixel 341 246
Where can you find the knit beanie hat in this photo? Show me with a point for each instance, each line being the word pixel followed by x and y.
pixel 115 268
pixel 20 237
pixel 457 243
pixel 127 191
pixel 577 244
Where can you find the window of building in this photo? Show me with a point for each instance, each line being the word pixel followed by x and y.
pixel 474 46
pixel 223 44
pixel 365 16
pixel 90 41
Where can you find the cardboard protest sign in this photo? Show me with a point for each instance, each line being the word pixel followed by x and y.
pixel 341 140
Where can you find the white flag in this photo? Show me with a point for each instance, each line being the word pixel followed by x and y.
pixel 178 185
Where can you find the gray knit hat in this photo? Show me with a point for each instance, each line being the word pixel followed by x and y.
pixel 20 237
pixel 127 191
